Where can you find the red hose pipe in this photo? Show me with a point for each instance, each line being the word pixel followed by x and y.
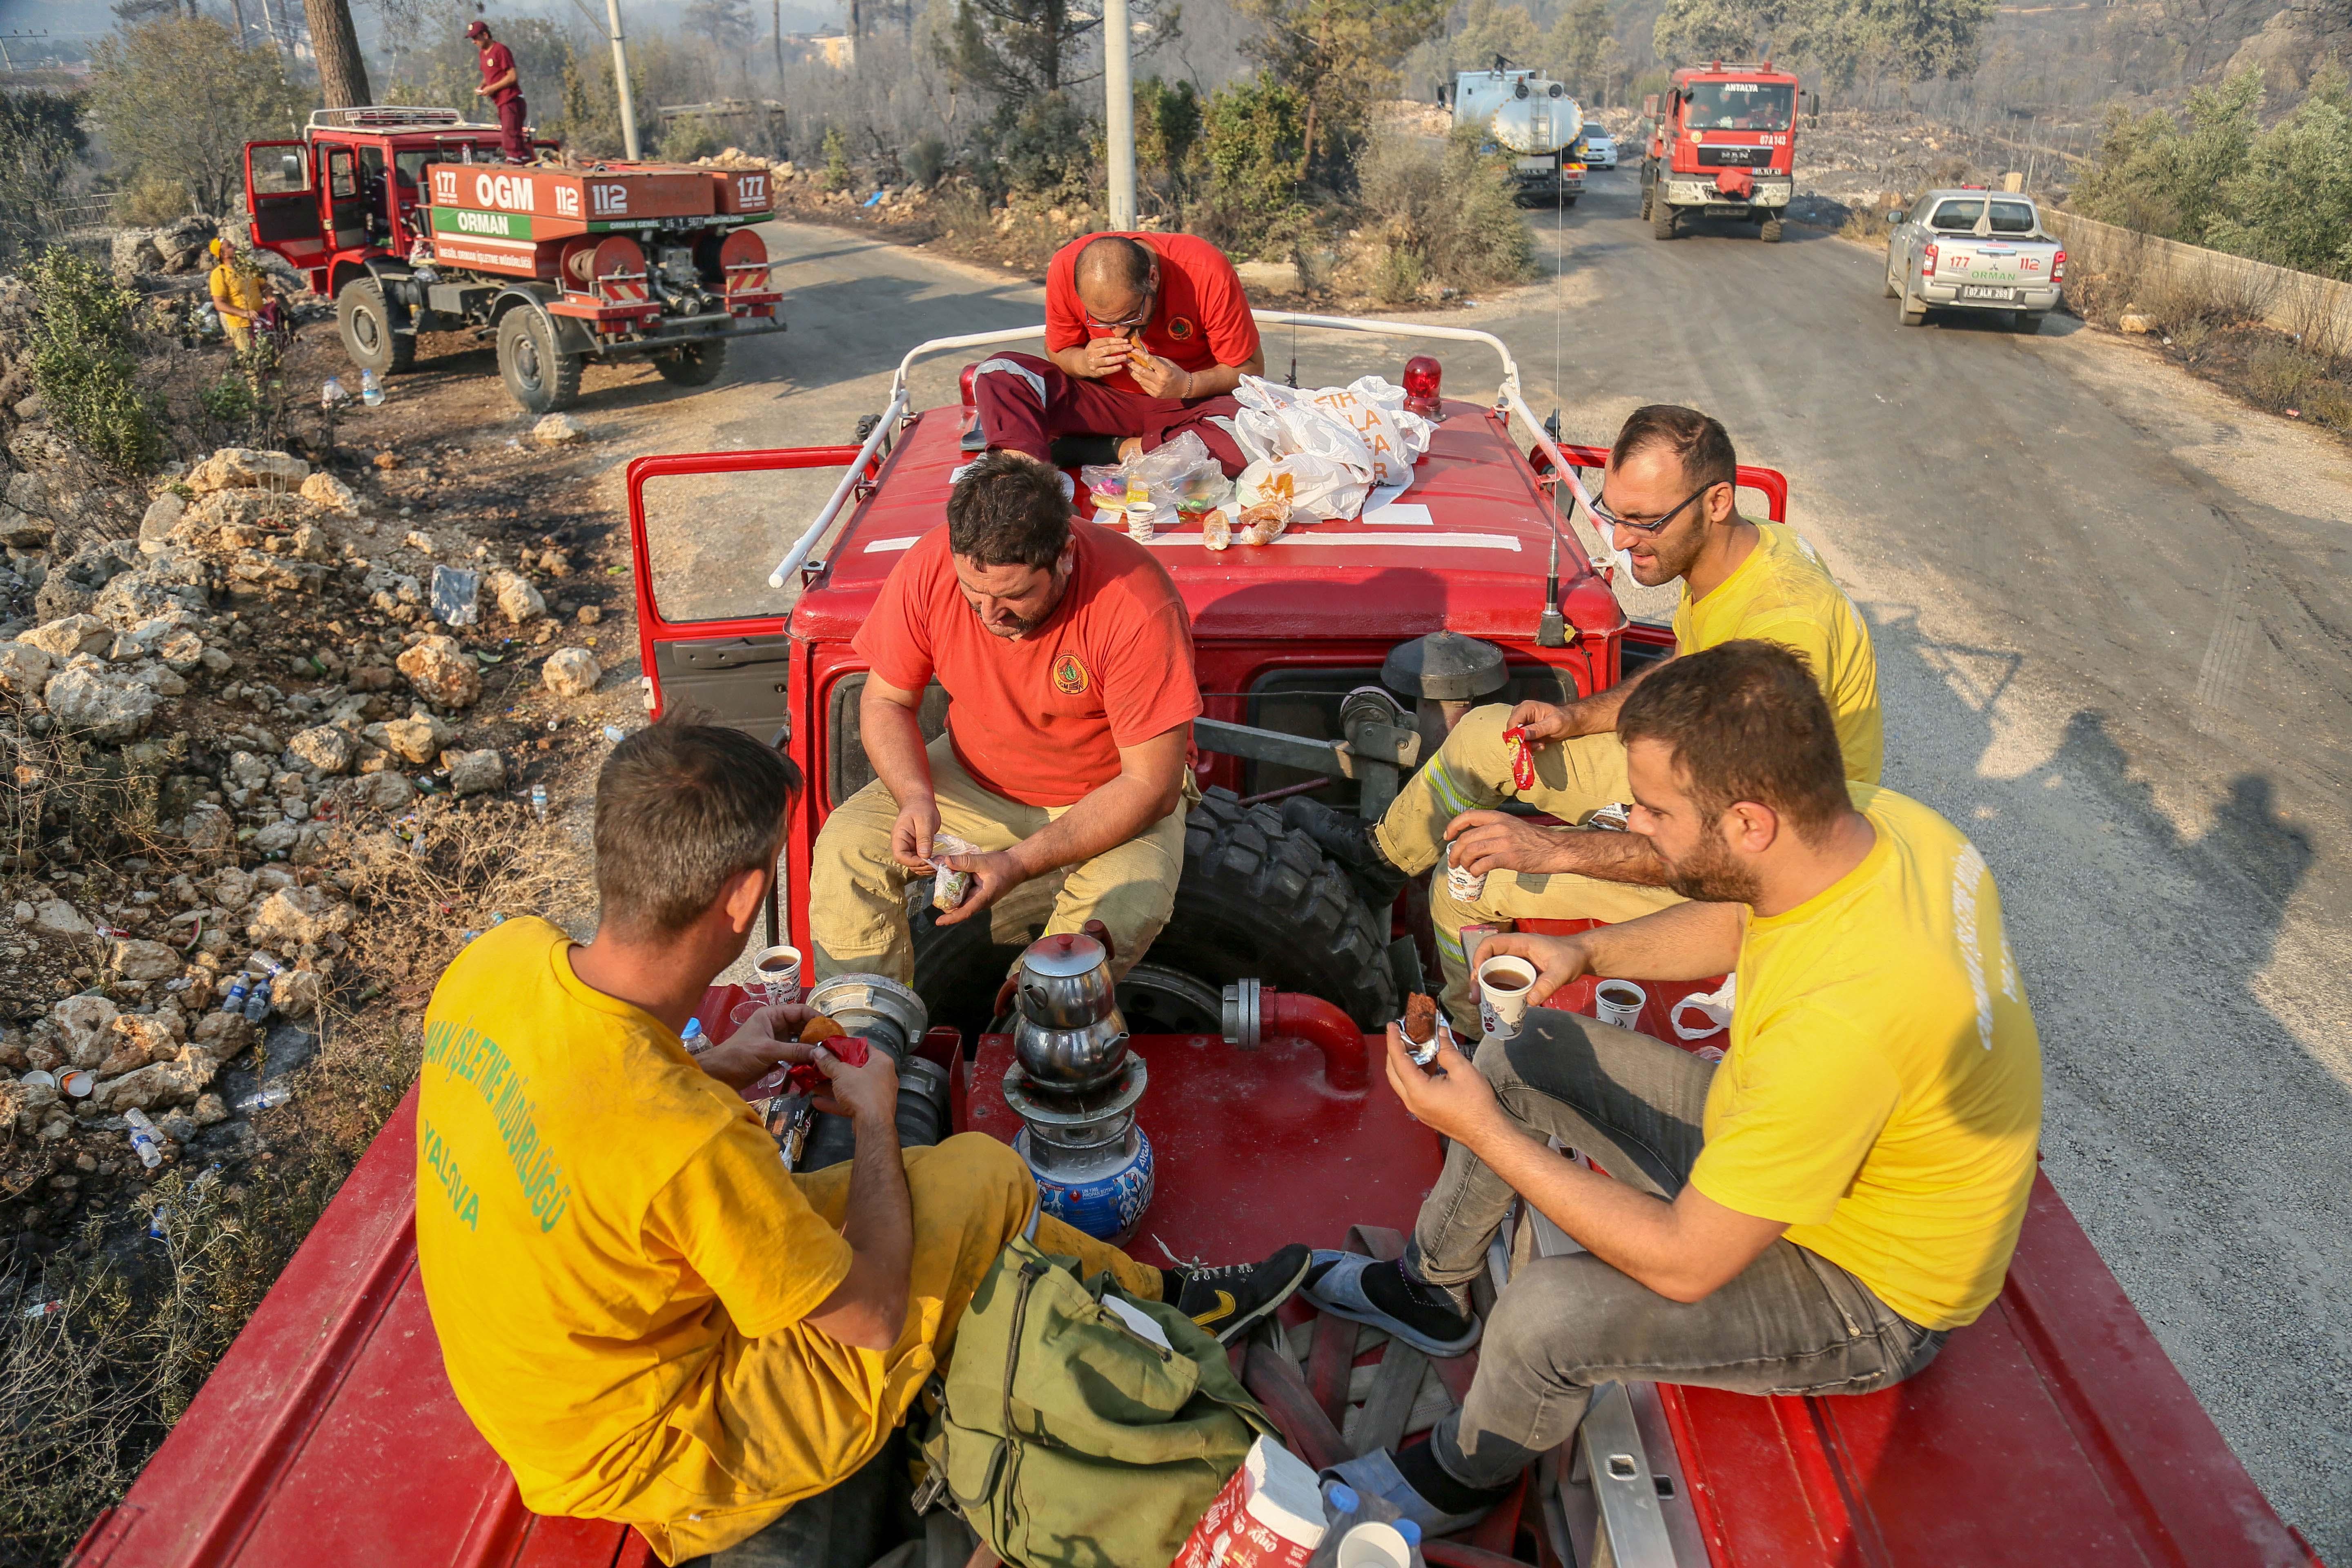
pixel 1254 1014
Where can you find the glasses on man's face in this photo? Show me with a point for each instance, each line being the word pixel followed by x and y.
pixel 1607 519
pixel 1134 320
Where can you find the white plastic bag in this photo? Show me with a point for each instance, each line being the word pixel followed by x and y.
pixel 1336 443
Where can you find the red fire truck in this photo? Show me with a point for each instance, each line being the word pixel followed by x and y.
pixel 1723 143
pixel 411 222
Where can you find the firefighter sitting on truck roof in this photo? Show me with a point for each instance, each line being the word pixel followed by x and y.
pixel 1146 336
pixel 648 1317
pixel 499 79
pixel 1068 657
pixel 1814 1214
pixel 1668 499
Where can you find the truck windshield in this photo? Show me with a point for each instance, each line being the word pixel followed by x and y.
pixel 1741 106
pixel 1960 217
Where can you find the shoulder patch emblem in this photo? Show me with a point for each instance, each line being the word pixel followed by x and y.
pixel 1070 676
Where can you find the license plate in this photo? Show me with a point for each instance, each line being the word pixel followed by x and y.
pixel 1536 165
pixel 1978 291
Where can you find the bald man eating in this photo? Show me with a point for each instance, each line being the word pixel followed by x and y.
pixel 1146 337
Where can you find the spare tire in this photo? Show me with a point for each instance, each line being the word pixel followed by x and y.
pixel 1256 901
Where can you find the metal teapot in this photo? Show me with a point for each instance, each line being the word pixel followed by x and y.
pixel 1068 1035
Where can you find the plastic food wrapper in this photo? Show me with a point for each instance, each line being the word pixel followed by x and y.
pixel 1107 483
pixel 1217 530
pixel 1180 475
pixel 949 885
pixel 457 595
pixel 1336 444
pixel 1263 523
pixel 1522 753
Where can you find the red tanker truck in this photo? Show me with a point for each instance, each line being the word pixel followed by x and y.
pixel 1723 143
pixel 411 223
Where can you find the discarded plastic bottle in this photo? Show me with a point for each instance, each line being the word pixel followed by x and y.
pixel 264 963
pixel 144 1140
pixel 331 394
pixel 238 989
pixel 613 733
pixel 44 1308
pixel 256 1006
pixel 155 1224
pixel 538 802
pixel 371 389
pixel 263 1099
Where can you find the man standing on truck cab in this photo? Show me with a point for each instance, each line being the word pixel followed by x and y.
pixel 1067 654
pixel 646 1316
pixel 1146 336
pixel 1668 499
pixel 499 85
pixel 1815 1213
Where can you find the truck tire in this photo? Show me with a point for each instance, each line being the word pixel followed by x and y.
pixel 1645 203
pixel 1256 901
pixel 695 364
pixel 365 323
pixel 1662 220
pixel 537 376
pixel 1769 233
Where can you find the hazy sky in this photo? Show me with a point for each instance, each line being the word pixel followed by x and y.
pixel 81 21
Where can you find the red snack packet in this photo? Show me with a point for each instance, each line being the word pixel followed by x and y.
pixel 1522 753
pixel 807 1079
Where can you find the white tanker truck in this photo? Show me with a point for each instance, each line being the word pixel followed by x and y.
pixel 1528 113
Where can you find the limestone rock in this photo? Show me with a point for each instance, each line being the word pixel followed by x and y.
pixel 88 699
pixel 61 639
pixel 474 772
pixel 161 1083
pixel 2134 323
pixel 138 960
pixel 55 916
pixel 518 600
pixel 297 992
pixel 25 668
pixel 325 747
pixel 557 430
pixel 412 739
pixel 209 831
pixel 386 792
pixel 294 916
pixel 570 672
pixel 241 467
pixel 442 673
pixel 325 490
pixel 210 1111
pixel 163 514
pixel 222 1035
pixel 140 1038
pixel 21 530
pixel 85 1028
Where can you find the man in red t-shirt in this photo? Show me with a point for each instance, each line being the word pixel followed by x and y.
pixel 499 85
pixel 1068 659
pixel 1146 335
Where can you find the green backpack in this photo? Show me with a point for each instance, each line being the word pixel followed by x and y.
pixel 1069 1440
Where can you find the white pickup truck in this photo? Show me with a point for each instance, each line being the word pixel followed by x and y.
pixel 1973 249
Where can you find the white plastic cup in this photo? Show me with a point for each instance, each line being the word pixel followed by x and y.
pixel 1142 517
pixel 1504 983
pixel 779 969
pixel 1374 1544
pixel 78 1083
pixel 1618 1002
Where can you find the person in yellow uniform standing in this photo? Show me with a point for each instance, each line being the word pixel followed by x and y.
pixel 643 1312
pixel 1814 1214
pixel 1668 499
pixel 239 294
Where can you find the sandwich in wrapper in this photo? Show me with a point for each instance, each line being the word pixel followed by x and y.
pixel 1421 1025
pixel 948 886
pixel 1522 753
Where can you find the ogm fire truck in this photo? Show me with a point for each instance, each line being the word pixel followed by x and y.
pixel 1723 143
pixel 411 222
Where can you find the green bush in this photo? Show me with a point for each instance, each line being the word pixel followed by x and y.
pixel 40 138
pixel 2278 374
pixel 835 149
pixel 1447 214
pixel 1044 148
pixel 1253 142
pixel 176 100
pixel 927 160
pixel 689 137
pixel 82 359
pixel 228 401
pixel 1397 276
pixel 2292 204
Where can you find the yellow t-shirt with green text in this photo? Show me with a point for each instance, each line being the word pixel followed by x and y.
pixel 1881 1092
pixel 1783 594
pixel 601 1227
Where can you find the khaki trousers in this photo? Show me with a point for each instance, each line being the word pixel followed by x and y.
pixel 1472 772
pixel 813 1410
pixel 857 891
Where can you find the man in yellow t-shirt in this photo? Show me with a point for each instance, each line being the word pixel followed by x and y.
pixel 1814 1215
pixel 239 294
pixel 1668 500
pixel 643 1312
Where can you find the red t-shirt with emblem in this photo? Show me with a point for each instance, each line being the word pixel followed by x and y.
pixel 1040 719
pixel 1201 319
pixel 497 60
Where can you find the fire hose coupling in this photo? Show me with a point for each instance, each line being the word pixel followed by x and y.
pixel 1254 1013
pixel 887 1013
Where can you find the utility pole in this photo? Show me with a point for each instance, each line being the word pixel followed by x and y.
pixel 343 74
pixel 621 82
pixel 1118 113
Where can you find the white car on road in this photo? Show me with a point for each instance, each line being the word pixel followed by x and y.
pixel 1973 249
pixel 1600 150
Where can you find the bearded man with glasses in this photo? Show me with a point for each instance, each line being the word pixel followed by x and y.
pixel 1668 501
pixel 1146 336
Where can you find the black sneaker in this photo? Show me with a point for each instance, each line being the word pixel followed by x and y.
pixel 1348 839
pixel 1228 1300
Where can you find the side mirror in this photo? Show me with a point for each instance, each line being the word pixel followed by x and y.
pixel 1650 106
pixel 1895 214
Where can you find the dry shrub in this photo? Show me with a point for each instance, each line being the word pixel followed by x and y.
pixel 2278 374
pixel 2329 402
pixel 448 869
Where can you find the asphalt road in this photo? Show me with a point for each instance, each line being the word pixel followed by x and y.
pixel 2111 628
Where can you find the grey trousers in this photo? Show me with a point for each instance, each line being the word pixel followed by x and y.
pixel 1791 1322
